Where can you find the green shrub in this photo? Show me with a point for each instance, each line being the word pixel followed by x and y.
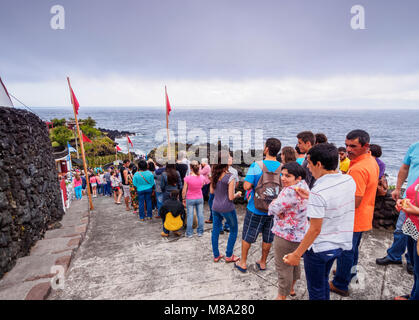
pixel 61 135
pixel 58 122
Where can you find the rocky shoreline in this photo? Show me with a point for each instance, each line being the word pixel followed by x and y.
pixel 115 134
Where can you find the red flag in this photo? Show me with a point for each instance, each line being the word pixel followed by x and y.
pixel 73 98
pixel 168 108
pixel 85 139
pixel 129 141
pixel 118 148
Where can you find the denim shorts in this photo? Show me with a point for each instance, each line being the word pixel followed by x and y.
pixel 255 224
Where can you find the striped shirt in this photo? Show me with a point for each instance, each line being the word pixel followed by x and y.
pixel 332 199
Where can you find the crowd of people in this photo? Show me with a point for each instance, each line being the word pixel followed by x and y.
pixel 313 201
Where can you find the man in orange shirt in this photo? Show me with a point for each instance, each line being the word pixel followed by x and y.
pixel 364 170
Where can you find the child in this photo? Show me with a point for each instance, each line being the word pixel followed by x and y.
pixel 115 182
pixel 174 206
pixel 290 225
pixel 93 183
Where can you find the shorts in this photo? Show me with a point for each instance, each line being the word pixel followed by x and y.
pixel 126 189
pixel 93 185
pixel 116 189
pixel 255 224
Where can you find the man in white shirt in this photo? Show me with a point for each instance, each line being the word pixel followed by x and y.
pixel 331 209
pixel 183 159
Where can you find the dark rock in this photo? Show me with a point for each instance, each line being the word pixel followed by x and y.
pixel 30 197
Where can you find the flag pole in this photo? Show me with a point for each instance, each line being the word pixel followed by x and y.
pixel 169 151
pixel 77 147
pixel 129 154
pixel 81 147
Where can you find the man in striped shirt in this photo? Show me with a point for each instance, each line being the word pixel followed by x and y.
pixel 331 210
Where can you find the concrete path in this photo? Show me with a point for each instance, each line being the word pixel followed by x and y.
pixel 123 258
pixel 33 276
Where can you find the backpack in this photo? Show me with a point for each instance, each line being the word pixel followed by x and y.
pixel 268 188
pixel 173 223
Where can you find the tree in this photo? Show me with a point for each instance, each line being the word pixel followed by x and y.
pixel 61 135
pixel 88 122
pixel 58 122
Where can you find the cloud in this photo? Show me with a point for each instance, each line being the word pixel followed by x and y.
pixel 344 91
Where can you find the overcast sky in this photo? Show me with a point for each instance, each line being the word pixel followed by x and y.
pixel 220 53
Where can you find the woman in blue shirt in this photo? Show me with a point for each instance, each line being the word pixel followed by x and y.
pixel 144 181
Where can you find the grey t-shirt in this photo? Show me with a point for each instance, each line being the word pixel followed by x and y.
pixel 221 202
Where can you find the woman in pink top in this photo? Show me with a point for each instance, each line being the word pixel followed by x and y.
pixel 192 198
pixel 206 173
pixel 77 184
pixel 93 183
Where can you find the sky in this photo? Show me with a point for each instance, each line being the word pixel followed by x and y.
pixel 218 53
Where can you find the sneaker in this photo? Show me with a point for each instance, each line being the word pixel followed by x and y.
pixel 189 236
pixel 226 229
pixel 200 234
pixel 163 234
pixel 142 219
pixel 177 233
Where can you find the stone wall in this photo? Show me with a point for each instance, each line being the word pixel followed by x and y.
pixel 30 197
pixel 385 213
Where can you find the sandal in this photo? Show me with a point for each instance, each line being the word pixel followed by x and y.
pixel 233 258
pixel 243 270
pixel 218 258
pixel 404 297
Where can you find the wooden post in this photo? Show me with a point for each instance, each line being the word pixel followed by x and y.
pixel 129 154
pixel 82 148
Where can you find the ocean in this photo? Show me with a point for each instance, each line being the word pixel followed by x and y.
pixel 393 130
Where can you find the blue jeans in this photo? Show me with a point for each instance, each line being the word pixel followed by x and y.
pixel 317 268
pixel 159 198
pixel 77 190
pixel 145 195
pixel 411 248
pixel 108 189
pixel 100 189
pixel 191 205
pixel 399 245
pixel 346 264
pixel 231 218
pixel 210 201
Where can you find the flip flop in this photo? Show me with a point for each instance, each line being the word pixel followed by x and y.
pixel 240 268
pixel 233 258
pixel 404 297
pixel 218 258
pixel 260 267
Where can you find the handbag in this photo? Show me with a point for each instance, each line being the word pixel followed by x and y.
pixel 172 223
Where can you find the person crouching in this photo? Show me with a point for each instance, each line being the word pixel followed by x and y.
pixel 172 214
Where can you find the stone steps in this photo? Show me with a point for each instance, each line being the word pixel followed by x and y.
pixel 33 276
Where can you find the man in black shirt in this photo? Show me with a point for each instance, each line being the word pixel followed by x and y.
pixel 306 140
